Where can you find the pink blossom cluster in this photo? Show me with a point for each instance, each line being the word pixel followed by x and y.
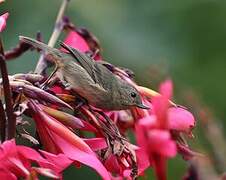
pixel 62 128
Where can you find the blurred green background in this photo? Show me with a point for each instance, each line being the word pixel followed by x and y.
pixel 157 39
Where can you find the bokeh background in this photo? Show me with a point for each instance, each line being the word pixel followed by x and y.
pixel 157 39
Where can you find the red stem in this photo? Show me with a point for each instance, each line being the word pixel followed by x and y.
pixel 11 125
pixel 2 122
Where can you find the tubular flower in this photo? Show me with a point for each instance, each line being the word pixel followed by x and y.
pixel 57 138
pixel 74 40
pixel 153 127
pixel 16 162
pixel 84 41
pixel 62 119
pixel 153 135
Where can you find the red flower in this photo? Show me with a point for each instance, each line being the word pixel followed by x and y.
pixel 76 41
pixel 180 120
pixel 153 135
pixel 17 161
pixel 84 41
pixel 57 138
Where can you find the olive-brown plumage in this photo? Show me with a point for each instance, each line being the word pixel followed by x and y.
pixel 90 79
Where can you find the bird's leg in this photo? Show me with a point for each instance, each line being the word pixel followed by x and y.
pixel 47 81
pixel 52 82
pixel 95 53
pixel 81 101
pixel 110 126
pixel 117 144
pixel 92 54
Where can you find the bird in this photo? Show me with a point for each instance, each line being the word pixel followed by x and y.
pixel 90 79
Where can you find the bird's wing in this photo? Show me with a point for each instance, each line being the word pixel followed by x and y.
pixel 83 60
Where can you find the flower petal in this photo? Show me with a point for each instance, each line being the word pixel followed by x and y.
pixel 60 161
pixel 46 172
pixel 161 143
pixel 3 19
pixel 64 132
pixel 166 89
pixel 76 154
pixel 30 154
pixel 63 117
pixel 180 120
pixel 7 175
pixel 37 93
pixel 69 143
pixel 112 164
pixel 19 166
pixel 66 97
pixel 74 40
pixel 96 143
pixel 29 77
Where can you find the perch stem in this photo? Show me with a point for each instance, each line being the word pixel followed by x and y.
pixel 11 124
pixel 59 25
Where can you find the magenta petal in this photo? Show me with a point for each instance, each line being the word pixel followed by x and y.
pixel 7 175
pixel 140 136
pixel 37 93
pixel 88 127
pixel 8 147
pixel 60 161
pixel 58 128
pixel 180 120
pixel 112 164
pixel 3 19
pixel 30 154
pixel 166 89
pixel 148 121
pixel 96 143
pixel 18 166
pixel 160 106
pixel 46 172
pixel 160 142
pixel 74 40
pixel 86 158
pixel 142 161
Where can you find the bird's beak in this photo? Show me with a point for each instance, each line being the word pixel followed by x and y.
pixel 142 106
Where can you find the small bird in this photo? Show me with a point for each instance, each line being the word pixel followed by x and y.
pixel 90 79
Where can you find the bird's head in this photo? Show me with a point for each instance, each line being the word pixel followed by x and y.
pixel 130 96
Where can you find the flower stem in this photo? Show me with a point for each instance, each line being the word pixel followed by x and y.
pixel 2 122
pixel 59 25
pixel 11 125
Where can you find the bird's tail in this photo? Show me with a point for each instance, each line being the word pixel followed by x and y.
pixel 50 53
pixel 35 43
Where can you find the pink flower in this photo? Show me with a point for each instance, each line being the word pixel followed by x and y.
pixel 76 41
pixel 84 41
pixel 16 162
pixel 180 120
pixel 153 131
pixel 153 135
pixel 57 138
pixel 3 19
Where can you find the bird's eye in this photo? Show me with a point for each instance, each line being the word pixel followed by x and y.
pixel 133 94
